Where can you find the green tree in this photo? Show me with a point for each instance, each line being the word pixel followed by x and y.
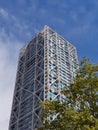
pixel 80 109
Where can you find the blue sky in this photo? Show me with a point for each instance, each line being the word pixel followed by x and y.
pixel 75 20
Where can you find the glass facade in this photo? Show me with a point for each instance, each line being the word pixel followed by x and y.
pixel 46 65
pixel 61 64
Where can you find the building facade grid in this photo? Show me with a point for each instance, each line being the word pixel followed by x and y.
pixel 46 65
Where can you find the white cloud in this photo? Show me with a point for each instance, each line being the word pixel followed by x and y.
pixel 9 50
pixel 6 14
pixel 17 26
pixel 3 13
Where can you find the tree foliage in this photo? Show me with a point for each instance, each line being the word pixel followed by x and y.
pixel 80 109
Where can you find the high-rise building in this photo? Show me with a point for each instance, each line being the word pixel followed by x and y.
pixel 46 65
